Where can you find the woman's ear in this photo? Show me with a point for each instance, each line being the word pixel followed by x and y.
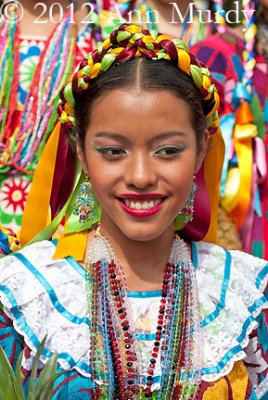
pixel 81 158
pixel 202 150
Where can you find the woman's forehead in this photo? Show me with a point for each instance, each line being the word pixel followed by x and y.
pixel 140 113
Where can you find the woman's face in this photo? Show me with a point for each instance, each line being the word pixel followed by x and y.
pixel 264 3
pixel 141 155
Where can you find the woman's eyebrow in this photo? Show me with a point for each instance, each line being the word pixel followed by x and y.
pixel 168 135
pixel 154 139
pixel 111 135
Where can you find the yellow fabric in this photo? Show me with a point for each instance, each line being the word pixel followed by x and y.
pixel 237 195
pixel 230 197
pixel 73 244
pixel 238 383
pixel 212 169
pixel 35 216
pixel 244 156
pixel 244 131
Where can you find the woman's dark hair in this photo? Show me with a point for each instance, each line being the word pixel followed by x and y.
pixel 144 74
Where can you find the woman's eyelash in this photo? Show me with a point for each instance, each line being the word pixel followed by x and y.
pixel 111 151
pixel 169 151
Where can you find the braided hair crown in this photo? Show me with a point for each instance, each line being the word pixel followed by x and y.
pixel 126 43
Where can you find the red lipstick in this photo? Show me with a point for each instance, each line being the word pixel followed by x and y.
pixel 141 212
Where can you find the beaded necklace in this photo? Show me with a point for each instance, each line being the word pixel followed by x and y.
pixel 115 359
pixel 22 142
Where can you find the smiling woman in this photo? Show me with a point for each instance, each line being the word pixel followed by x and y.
pixel 133 166
pixel 145 313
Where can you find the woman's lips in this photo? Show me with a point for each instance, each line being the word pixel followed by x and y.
pixel 141 206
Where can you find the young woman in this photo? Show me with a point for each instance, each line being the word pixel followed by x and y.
pixel 145 313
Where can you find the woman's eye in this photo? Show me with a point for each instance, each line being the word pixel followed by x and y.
pixel 169 151
pixel 112 151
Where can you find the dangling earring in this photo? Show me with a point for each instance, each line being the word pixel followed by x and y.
pixel 85 202
pixel 187 212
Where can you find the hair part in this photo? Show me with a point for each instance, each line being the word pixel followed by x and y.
pixel 142 74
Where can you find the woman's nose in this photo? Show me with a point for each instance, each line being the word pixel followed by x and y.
pixel 140 171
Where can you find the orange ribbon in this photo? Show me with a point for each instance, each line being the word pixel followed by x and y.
pixel 237 196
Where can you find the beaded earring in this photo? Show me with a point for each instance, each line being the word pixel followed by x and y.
pixel 84 206
pixel 187 212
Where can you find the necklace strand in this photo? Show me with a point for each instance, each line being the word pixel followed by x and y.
pixel 115 358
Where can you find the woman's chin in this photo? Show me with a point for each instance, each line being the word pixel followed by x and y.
pixel 145 233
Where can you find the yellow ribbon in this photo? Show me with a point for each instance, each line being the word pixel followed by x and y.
pixel 212 170
pixel 36 213
pixel 237 195
pixel 229 200
pixel 72 244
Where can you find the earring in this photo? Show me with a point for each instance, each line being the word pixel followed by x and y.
pixel 187 212
pixel 85 202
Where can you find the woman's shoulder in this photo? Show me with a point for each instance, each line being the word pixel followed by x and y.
pixel 43 296
pixel 39 255
pixel 212 258
pixel 232 297
pixel 32 271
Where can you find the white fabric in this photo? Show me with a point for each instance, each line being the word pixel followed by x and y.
pixel 65 336
pixel 220 336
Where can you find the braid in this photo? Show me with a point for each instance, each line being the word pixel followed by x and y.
pixel 220 15
pixel 249 52
pixel 131 41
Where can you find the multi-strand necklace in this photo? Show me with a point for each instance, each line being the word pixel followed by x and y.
pixel 115 357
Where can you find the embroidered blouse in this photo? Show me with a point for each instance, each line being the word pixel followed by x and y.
pixel 44 296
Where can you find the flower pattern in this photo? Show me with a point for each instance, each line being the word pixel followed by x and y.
pixel 13 195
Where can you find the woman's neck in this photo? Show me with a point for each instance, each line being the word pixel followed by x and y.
pixel 143 262
pixel 167 13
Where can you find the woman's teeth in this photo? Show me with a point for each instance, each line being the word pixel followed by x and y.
pixel 142 205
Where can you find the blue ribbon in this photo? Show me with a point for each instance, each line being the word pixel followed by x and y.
pixel 227 125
